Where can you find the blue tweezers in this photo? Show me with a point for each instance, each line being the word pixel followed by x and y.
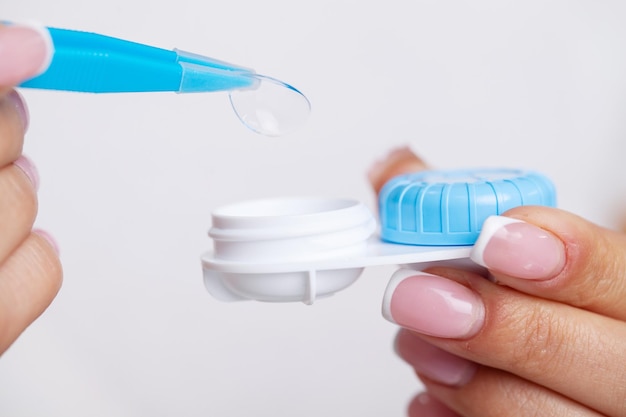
pixel 90 62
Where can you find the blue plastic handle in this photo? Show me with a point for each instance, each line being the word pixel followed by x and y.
pixel 95 63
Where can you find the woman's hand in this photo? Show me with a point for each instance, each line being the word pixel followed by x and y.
pixel 30 271
pixel 544 334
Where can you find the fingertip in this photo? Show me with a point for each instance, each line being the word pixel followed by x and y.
pixel 46 257
pixel 488 230
pixel 412 296
pixel 30 279
pixel 393 284
pixel 29 169
pixel 26 51
pixel 49 239
pixel 399 161
pixel 518 249
pixel 19 104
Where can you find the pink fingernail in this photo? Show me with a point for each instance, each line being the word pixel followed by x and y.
pixel 20 107
pixel 51 240
pixel 432 305
pixel 25 51
pixel 27 166
pixel 432 362
pixel 518 249
pixel 424 405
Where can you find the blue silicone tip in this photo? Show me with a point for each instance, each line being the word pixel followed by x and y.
pixel 441 208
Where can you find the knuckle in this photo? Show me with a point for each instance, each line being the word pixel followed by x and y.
pixel 595 275
pixel 605 273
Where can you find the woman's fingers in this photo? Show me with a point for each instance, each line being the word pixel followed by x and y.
pixel 548 253
pixel 18 176
pixel 30 272
pixel 558 256
pixel 550 344
pixel 29 280
pixel 506 394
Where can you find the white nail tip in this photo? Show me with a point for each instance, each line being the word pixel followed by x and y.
pixel 395 280
pixel 489 229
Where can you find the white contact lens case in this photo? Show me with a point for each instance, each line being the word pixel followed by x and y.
pixel 300 249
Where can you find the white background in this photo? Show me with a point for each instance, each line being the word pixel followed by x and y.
pixel 129 181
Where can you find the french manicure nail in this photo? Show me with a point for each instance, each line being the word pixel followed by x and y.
pixel 29 169
pixel 48 237
pixel 25 51
pixel 20 107
pixel 432 305
pixel 432 362
pixel 518 249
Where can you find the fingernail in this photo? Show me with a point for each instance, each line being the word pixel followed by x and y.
pixel 424 405
pixel 432 305
pixel 29 169
pixel 518 249
pixel 25 51
pixel 432 362
pixel 48 237
pixel 20 107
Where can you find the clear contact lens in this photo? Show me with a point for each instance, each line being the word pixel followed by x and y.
pixel 273 108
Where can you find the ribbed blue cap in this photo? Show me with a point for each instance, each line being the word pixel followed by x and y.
pixel 449 207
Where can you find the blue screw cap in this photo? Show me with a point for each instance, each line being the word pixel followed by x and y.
pixel 441 208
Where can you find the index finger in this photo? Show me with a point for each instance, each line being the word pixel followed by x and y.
pixel 558 256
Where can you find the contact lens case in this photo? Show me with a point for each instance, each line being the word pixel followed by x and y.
pixel 306 248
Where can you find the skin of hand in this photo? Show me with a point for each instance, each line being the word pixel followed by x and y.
pixel 30 270
pixel 543 333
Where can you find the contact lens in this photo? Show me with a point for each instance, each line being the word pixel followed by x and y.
pixel 272 108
